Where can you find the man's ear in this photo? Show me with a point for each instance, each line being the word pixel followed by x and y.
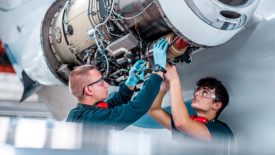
pixel 89 91
pixel 217 105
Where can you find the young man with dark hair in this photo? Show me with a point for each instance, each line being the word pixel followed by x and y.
pixel 221 94
pixel 210 98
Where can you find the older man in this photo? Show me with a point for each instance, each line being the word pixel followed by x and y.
pixel 88 86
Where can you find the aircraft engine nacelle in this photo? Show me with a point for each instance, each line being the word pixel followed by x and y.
pixel 113 34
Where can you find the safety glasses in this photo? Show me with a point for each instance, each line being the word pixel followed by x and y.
pixel 205 92
pixel 100 82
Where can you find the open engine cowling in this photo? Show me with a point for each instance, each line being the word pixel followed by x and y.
pixel 113 34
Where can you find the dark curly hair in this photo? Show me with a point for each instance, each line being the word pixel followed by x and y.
pixel 220 90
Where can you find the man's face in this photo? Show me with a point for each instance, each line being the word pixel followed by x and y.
pixel 203 99
pixel 98 86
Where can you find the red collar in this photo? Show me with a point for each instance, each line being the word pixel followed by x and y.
pixel 200 119
pixel 102 105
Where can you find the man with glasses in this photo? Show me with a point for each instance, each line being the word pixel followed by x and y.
pixel 210 98
pixel 88 86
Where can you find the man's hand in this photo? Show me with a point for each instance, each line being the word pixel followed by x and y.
pixel 171 73
pixel 159 52
pixel 133 79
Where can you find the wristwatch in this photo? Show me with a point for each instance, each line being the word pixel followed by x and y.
pixel 158 68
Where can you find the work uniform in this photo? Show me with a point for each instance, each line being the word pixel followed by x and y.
pixel 122 111
pixel 217 129
pixel 221 143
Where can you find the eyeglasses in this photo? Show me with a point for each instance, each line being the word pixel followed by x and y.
pixel 204 92
pixel 100 82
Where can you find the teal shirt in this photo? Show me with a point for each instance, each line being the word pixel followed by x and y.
pixel 219 131
pixel 122 110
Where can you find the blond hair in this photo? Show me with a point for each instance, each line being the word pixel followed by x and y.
pixel 79 78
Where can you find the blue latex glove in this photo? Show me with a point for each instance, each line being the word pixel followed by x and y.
pixel 133 79
pixel 159 52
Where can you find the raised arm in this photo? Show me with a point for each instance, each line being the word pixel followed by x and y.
pixel 179 111
pixel 157 112
pixel 126 89
pixel 123 96
pixel 127 114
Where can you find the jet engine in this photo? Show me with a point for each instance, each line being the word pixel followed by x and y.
pixel 114 34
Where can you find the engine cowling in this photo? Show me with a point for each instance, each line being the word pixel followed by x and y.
pixel 114 34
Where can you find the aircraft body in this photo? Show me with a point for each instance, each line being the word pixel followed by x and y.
pixel 244 62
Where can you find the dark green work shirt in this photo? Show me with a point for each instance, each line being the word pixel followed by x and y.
pixel 122 110
pixel 217 129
